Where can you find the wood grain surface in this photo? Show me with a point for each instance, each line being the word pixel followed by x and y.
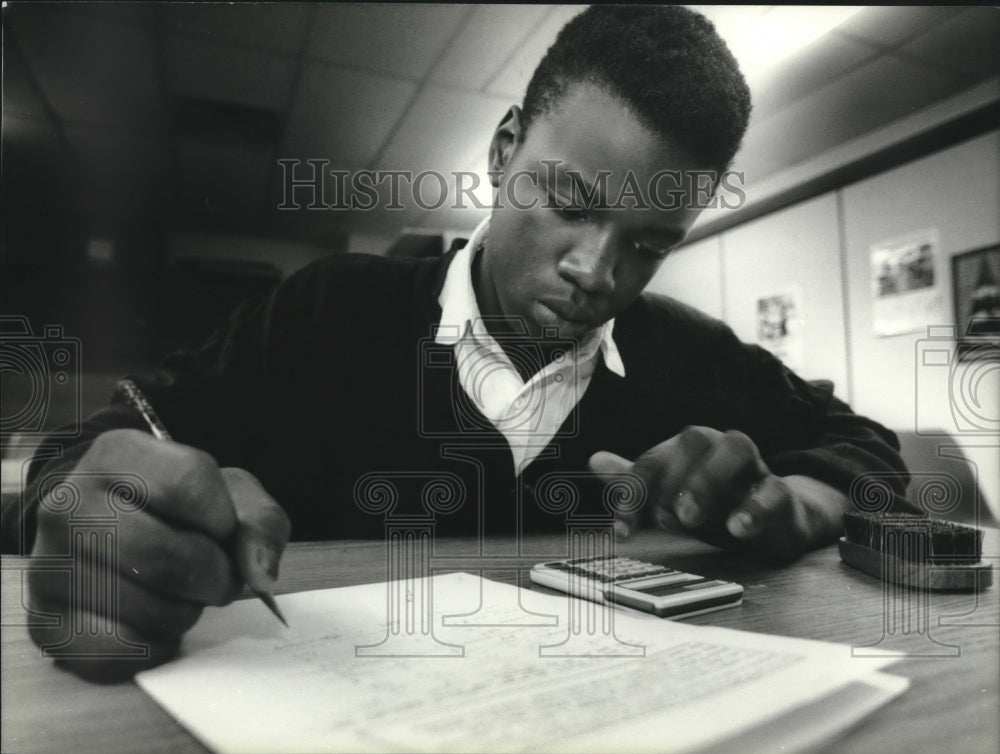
pixel 954 664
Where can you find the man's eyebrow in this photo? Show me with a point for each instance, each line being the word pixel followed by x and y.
pixel 574 178
pixel 665 236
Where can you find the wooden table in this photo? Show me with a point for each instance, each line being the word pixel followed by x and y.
pixel 953 703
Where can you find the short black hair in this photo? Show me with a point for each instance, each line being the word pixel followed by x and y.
pixel 666 62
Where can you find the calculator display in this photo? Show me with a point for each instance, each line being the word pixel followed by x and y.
pixel 665 589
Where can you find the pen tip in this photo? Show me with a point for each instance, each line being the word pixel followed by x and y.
pixel 269 600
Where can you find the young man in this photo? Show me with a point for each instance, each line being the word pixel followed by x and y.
pixel 527 356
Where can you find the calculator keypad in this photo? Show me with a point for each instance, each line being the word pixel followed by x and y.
pixel 608 569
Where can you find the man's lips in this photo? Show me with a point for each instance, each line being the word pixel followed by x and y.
pixel 571 314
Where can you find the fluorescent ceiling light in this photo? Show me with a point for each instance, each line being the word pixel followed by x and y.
pixel 760 36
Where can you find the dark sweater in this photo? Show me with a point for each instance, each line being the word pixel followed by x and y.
pixel 333 383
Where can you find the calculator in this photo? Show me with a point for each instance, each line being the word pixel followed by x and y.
pixel 644 586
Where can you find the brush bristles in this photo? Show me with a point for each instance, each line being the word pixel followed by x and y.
pixel 914 537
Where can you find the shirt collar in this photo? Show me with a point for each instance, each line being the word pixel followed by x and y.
pixel 460 310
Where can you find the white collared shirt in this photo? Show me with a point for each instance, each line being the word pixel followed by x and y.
pixel 529 413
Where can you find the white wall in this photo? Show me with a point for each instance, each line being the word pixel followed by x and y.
pixel 798 247
pixel 819 244
pixel 956 192
pixel 693 274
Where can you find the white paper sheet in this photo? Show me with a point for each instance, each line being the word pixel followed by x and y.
pixel 907 294
pixel 244 683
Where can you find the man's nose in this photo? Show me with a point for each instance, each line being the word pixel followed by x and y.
pixel 590 264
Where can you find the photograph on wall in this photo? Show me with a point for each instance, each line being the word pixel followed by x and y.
pixel 975 279
pixel 779 325
pixel 906 287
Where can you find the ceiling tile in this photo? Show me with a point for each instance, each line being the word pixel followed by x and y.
pixel 400 39
pixel 889 25
pixel 123 173
pixel 492 35
pixel 873 96
pixel 341 115
pixel 817 65
pixel 304 221
pixel 280 27
pixel 40 185
pixel 21 98
pixel 445 129
pixel 219 187
pixel 198 67
pixel 300 212
pixel 91 71
pixel 968 44
pixel 125 12
pixel 100 150
pixel 37 147
pixel 512 76
pixel 400 86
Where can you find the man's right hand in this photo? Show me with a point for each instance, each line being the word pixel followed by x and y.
pixel 194 540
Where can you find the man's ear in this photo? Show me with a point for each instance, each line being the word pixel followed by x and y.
pixel 505 141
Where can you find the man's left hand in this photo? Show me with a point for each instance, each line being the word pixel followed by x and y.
pixel 716 485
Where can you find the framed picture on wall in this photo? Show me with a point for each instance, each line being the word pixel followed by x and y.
pixel 975 277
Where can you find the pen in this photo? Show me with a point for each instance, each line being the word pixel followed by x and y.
pixel 138 401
